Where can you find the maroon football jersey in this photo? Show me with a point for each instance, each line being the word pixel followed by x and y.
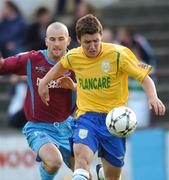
pixel 35 64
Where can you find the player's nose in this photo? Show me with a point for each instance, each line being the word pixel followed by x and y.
pixel 92 45
pixel 56 43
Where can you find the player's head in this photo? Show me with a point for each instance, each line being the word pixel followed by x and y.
pixel 57 39
pixel 89 34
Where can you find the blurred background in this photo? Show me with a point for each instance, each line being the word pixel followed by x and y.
pixel 141 25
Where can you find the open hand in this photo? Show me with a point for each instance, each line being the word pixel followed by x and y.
pixel 66 82
pixel 157 105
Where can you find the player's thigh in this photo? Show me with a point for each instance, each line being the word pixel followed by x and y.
pixel 50 154
pixel 111 172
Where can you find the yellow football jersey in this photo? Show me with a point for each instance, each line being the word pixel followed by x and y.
pixel 102 82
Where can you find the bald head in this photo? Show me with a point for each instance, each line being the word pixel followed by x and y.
pixel 57 26
pixel 57 40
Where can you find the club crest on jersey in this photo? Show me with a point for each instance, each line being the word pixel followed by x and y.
pixel 40 69
pixel 83 133
pixel 105 66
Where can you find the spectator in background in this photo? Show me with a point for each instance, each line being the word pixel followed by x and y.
pixel 36 31
pixel 1 16
pixel 63 8
pixel 16 113
pixel 12 37
pixel 82 8
pixel 140 46
pixel 12 30
pixel 128 37
pixel 109 36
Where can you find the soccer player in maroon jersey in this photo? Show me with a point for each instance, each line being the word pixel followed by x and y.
pixel 48 127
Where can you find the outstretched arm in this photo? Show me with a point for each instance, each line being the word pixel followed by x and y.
pixel 57 71
pixel 153 101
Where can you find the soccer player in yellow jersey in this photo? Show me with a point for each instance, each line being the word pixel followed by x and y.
pixel 102 71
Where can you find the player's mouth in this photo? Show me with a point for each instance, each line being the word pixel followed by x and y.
pixel 56 50
pixel 92 53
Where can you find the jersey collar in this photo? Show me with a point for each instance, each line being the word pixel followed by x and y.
pixel 44 52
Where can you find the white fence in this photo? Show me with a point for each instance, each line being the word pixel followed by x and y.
pixel 17 161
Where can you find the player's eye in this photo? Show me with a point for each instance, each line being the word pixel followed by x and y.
pixel 61 39
pixel 87 42
pixel 52 39
pixel 96 41
pixel 93 41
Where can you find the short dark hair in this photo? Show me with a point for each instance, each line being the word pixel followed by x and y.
pixel 13 6
pixel 88 24
pixel 41 11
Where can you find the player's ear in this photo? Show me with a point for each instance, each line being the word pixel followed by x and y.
pixel 78 40
pixel 69 40
pixel 46 42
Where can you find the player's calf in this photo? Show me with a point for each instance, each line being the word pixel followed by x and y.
pixel 46 175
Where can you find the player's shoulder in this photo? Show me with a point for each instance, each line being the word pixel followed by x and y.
pixel 74 52
pixel 113 47
pixel 29 53
pixel 35 53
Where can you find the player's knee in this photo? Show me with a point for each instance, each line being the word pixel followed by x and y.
pixel 54 164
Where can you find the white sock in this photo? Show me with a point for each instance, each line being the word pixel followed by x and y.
pixel 101 174
pixel 80 174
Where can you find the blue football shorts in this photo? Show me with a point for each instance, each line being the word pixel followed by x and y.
pixel 58 133
pixel 90 129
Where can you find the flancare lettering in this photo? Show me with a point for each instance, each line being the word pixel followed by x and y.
pixel 95 83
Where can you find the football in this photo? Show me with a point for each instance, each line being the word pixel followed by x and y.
pixel 121 121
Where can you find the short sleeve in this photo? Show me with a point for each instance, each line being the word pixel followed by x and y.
pixel 15 64
pixel 132 66
pixel 65 61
